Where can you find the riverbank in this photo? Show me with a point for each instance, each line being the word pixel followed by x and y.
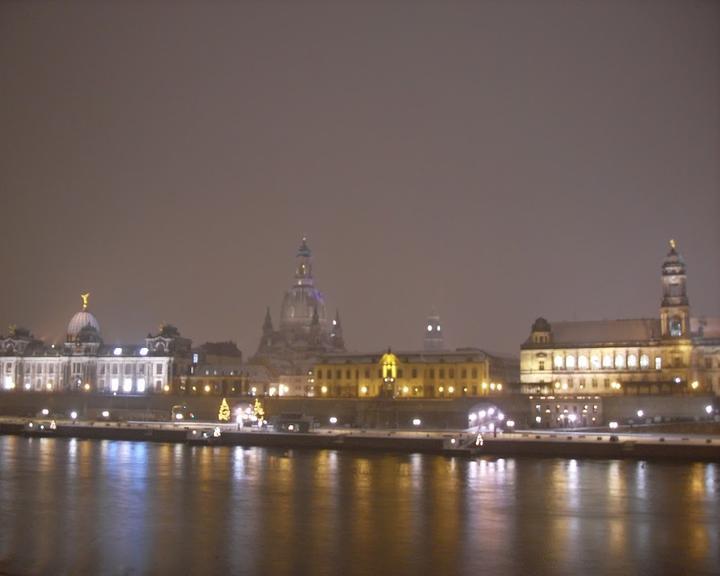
pixel 459 442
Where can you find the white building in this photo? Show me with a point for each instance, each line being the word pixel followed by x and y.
pixel 85 363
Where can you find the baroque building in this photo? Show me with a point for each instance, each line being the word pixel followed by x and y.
pixel 84 363
pixel 415 374
pixel 675 353
pixel 304 330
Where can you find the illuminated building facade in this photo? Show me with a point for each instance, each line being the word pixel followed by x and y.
pixel 84 363
pixel 423 374
pixel 674 353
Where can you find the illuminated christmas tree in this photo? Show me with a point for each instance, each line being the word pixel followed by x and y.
pixel 259 411
pixel 224 414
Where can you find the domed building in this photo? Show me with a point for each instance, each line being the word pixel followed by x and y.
pixel 83 326
pixel 304 330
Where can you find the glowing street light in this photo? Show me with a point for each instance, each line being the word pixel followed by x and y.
pixel 105 414
pixel 708 409
pixel 333 420
pixel 613 425
pixel 640 413
pixel 73 415
pixel 416 422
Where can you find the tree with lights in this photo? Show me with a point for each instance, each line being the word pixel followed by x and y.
pixel 224 413
pixel 259 411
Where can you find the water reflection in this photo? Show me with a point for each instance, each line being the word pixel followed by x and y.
pixel 73 506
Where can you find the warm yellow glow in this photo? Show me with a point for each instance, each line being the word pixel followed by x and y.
pixel 673 243
pixel 557 384
pixel 323 389
pixel 167 388
pixel 405 389
pixel 224 412
pixel 499 386
pixel 207 387
pixel 484 385
pixel 85 297
pixel 695 385
pixel 258 410
pixel 389 365
pixel 363 390
pixel 87 386
pixel 441 389
pixel 451 389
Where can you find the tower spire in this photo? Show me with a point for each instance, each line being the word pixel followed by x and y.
pixel 675 306
pixel 267 323
pixel 85 297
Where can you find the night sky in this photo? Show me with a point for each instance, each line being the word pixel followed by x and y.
pixel 495 161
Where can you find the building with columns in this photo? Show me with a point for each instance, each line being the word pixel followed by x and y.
pixel 84 363
pixel 675 353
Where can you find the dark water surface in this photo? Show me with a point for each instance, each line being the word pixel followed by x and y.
pixel 111 507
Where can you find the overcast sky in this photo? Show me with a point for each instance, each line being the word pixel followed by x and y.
pixel 495 161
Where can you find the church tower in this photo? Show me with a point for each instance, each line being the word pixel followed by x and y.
pixel 434 338
pixel 675 308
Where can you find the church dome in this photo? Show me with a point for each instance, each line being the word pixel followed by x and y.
pixel 541 325
pixel 299 306
pixel 81 320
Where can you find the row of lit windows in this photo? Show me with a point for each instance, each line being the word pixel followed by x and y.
pixel 127 385
pixel 413 373
pixel 595 362
pixel 115 369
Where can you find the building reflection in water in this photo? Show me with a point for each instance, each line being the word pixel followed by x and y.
pixel 118 507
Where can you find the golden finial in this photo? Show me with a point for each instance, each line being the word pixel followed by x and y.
pixel 85 297
pixel 672 243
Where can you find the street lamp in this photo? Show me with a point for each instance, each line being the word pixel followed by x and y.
pixel 708 409
pixel 640 413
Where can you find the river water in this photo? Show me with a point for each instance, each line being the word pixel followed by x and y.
pixel 113 507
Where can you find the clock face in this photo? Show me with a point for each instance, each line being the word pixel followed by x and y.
pixel 429 327
pixel 437 328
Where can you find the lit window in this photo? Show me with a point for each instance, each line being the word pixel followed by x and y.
pixel 619 361
pixel 114 384
pixel 127 385
pixel 658 363
pixel 558 361
pixel 583 362
pixel 632 361
pixel 570 362
pixel 607 361
pixel 675 327
pixel 595 361
pixel 644 361
pixel 140 385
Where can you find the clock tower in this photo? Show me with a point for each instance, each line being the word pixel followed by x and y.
pixel 675 309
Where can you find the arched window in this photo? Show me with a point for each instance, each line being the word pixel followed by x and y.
pixel 644 361
pixel 583 362
pixel 619 361
pixel 570 362
pixel 632 361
